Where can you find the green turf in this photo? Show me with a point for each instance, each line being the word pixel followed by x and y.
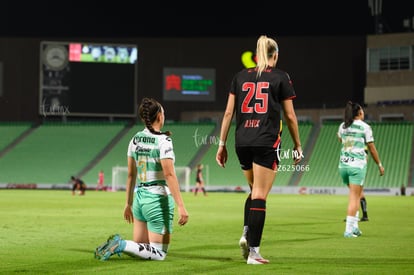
pixel 53 232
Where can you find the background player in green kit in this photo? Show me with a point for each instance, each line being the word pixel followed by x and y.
pixel 149 205
pixel 355 134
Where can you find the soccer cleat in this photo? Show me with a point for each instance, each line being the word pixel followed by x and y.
pixel 256 258
pixel 244 247
pixel 99 249
pixel 349 235
pixel 356 232
pixel 364 219
pixel 112 246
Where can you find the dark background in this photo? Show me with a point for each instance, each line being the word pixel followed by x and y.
pixel 322 44
pixel 199 18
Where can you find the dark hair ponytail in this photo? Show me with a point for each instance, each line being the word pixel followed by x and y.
pixel 351 111
pixel 148 110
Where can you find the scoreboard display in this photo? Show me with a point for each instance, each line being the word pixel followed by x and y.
pixel 88 79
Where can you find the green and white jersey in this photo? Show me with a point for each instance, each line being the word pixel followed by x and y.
pixel 354 140
pixel 148 149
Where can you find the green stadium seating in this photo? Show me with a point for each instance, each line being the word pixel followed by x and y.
pixel 393 142
pixel 55 151
pixel 323 160
pixel 10 131
pixel 117 156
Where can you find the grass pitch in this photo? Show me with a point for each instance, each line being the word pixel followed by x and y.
pixel 53 232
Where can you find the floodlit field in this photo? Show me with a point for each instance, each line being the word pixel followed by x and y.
pixel 53 232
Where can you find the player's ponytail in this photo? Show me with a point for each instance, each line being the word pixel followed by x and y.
pixel 265 49
pixel 351 111
pixel 148 111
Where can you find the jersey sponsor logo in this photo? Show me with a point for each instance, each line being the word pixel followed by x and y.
pixel 252 123
pixel 144 140
pixel 142 150
pixel 347 159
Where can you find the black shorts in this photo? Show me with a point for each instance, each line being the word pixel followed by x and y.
pixel 263 156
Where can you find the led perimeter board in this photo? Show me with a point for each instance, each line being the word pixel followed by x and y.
pixel 189 84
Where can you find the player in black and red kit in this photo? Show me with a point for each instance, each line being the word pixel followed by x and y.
pixel 257 97
pixel 200 181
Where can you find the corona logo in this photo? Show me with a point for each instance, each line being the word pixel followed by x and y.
pixel 248 59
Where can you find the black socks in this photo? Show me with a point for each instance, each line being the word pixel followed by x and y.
pixel 256 221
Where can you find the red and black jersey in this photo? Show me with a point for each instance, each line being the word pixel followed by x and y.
pixel 258 105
